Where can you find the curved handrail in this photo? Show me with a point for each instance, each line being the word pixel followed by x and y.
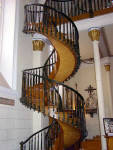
pixel 45 132
pixel 59 12
pixel 23 142
pixel 57 82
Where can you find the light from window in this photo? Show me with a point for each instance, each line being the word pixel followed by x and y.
pixel 0 25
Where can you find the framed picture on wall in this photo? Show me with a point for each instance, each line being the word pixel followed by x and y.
pixel 108 126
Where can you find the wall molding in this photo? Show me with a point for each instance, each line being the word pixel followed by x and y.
pixel 5 101
pixel 8 93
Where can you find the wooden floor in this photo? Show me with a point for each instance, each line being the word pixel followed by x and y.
pixel 91 144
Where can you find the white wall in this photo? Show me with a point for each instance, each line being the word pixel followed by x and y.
pixel 39 57
pixel 16 122
pixel 84 77
pixel 8 40
pixel 15 125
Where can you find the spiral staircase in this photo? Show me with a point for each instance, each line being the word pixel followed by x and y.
pixel 43 88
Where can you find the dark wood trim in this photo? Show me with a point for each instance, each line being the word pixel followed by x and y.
pixel 86 15
pixel 104 11
pixel 6 101
pixel 96 13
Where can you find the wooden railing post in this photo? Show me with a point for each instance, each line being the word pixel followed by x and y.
pixel 91 14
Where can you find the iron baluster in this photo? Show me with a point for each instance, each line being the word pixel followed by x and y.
pixel 30 91
pixel 50 22
pixel 44 95
pixel 68 106
pixel 33 14
pixel 28 12
pixel 90 8
pixel 85 5
pixel 94 6
pixel 58 102
pixel 39 91
pixel 63 29
pixel 24 147
pixel 35 142
pixel 59 27
pixel 64 8
pixel 35 17
pixel 41 140
pixel 98 5
pixel 71 12
pixel 71 108
pixel 21 146
pixel 29 145
pixel 75 9
pixel 105 3
pixel 78 8
pixel 63 104
pixel 67 32
pixel 39 28
pixel 33 92
pixel 31 18
pixel 82 4
pixel 28 88
pixel 101 4
pixel 38 142
pixel 70 34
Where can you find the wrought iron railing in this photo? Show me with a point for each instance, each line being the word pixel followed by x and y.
pixel 51 65
pixel 43 139
pixel 39 89
pixel 42 94
pixel 39 18
pixel 78 7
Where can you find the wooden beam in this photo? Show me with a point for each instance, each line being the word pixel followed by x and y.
pixel 5 101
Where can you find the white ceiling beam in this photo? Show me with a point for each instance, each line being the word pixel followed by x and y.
pixel 98 21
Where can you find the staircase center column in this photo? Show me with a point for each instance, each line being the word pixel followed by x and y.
pixel 110 107
pixel 94 34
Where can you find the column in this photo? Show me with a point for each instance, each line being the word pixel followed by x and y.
pixel 94 34
pixel 110 104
